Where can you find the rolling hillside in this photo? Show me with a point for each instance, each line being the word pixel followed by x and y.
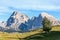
pixel 32 35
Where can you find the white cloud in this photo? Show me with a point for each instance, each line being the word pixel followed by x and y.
pixel 8 6
pixel 32 4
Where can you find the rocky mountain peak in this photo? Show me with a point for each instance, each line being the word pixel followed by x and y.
pixel 45 14
pixel 21 22
pixel 17 17
pixel 50 17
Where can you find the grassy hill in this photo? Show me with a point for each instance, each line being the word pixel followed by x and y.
pixel 33 35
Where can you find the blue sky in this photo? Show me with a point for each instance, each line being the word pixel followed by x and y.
pixel 29 7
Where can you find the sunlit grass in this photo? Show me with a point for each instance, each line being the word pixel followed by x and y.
pixel 56 28
pixel 16 35
pixel 19 36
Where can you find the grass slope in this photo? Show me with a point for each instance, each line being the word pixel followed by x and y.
pixel 33 35
pixel 53 35
pixel 17 36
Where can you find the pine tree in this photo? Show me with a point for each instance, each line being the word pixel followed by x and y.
pixel 46 25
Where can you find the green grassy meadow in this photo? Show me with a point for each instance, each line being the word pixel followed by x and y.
pixel 38 34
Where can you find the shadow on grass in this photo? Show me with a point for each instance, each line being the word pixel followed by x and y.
pixel 54 35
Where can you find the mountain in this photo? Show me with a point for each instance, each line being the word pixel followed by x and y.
pixel 36 22
pixel 51 18
pixel 21 22
pixel 2 24
pixel 15 20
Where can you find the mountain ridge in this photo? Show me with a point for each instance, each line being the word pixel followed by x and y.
pixel 21 22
